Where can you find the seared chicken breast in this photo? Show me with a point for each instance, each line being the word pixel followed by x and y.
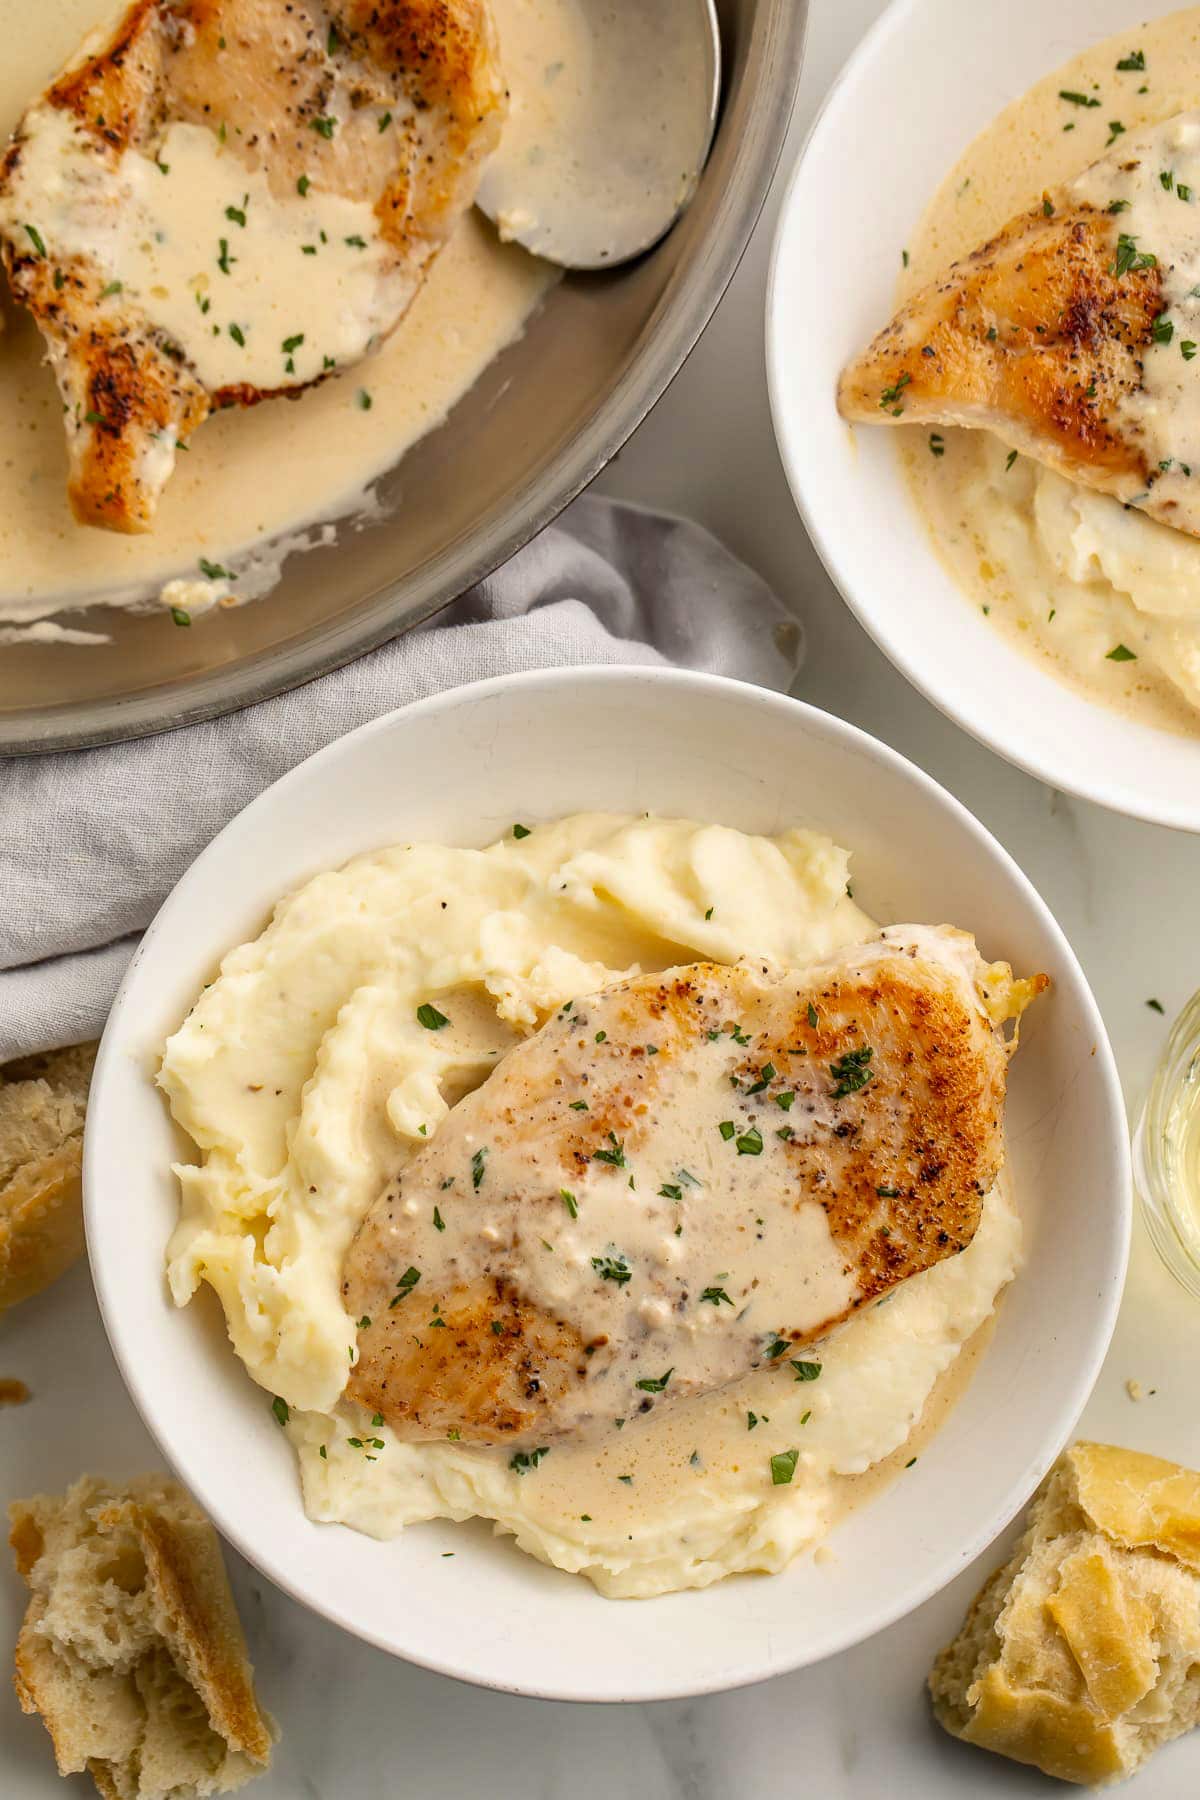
pixel 679 1179
pixel 1071 334
pixel 223 200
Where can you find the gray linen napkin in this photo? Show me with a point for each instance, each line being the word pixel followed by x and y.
pixel 91 841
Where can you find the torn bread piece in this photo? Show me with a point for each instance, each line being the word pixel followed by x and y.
pixel 43 1102
pixel 131 1649
pixel 1082 1654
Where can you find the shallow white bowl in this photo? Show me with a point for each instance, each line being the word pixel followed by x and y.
pixel 461 767
pixel 921 86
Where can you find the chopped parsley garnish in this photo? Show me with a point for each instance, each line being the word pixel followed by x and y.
pixel 727 1128
pixel 405 1286
pixel 1130 257
pixel 569 1201
pixel 236 215
pixel 937 444
pixel 655 1387
pixel 1009 461
pixel 1167 178
pixel 439 1224
pixel 238 335
pixel 751 1421
pixel 1155 1005
pixel 1075 99
pixel 806 1371
pixel 1187 349
pixel 890 396
pixel 431 1018
pixel 477 1166
pixel 1162 330
pixel 385 121
pixel 181 616
pixel 708 914
pixel 36 239
pixel 524 1460
pixel 364 399
pixel 602 1037
pixel 279 1407
pixel 786 1100
pixel 806 1416
pixel 1182 190
pixel 850 1072
pixel 777 1348
pixel 292 343
pixel 1116 129
pixel 750 1142
pixel 520 831
pixel 356 242
pixel 670 1190
pixel 1118 206
pixel 783 1467
pixel 627 1479
pixel 910 1462
pixel 888 1193
pixel 1121 653
pixel 904 258
pixel 214 571
pixel 324 127
pixel 579 1106
pixel 766 1076
pixel 303 185
pixel 114 287
pixel 362 1326
pixel 1048 207
pixel 612 1268
pixel 690 1180
pixel 615 1156
pixel 812 1015
pixel 715 1295
pixel 1134 63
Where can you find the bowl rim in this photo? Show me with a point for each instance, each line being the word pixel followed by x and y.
pixel 772 75
pixel 1128 802
pixel 114 1063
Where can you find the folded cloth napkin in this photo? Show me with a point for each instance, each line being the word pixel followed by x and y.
pixel 91 841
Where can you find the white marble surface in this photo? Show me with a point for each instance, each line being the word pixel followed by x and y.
pixel 359 1725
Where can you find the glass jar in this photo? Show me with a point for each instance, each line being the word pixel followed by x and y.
pixel 1166 1151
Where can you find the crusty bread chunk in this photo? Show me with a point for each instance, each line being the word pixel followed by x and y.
pixel 1082 1654
pixel 43 1100
pixel 131 1648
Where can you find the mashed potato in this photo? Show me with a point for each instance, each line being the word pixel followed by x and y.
pixel 306 1080
pixel 1073 574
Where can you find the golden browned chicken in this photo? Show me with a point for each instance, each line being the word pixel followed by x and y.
pixel 1071 334
pixel 680 1179
pixel 223 200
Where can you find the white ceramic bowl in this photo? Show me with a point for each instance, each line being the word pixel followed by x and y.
pixel 881 147
pixel 461 767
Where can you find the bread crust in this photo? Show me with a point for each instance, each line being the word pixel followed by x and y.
pixel 1082 1654
pixel 131 1649
pixel 43 1104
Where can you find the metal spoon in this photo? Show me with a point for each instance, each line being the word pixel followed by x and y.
pixel 610 123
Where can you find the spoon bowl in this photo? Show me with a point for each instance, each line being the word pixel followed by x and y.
pixel 613 105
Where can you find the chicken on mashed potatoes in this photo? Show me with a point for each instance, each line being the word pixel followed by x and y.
pixel 329 1051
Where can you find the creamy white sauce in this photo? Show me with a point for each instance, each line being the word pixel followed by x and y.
pixel 607 125
pixel 307 1082
pixel 249 478
pixel 253 289
pixel 1069 575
